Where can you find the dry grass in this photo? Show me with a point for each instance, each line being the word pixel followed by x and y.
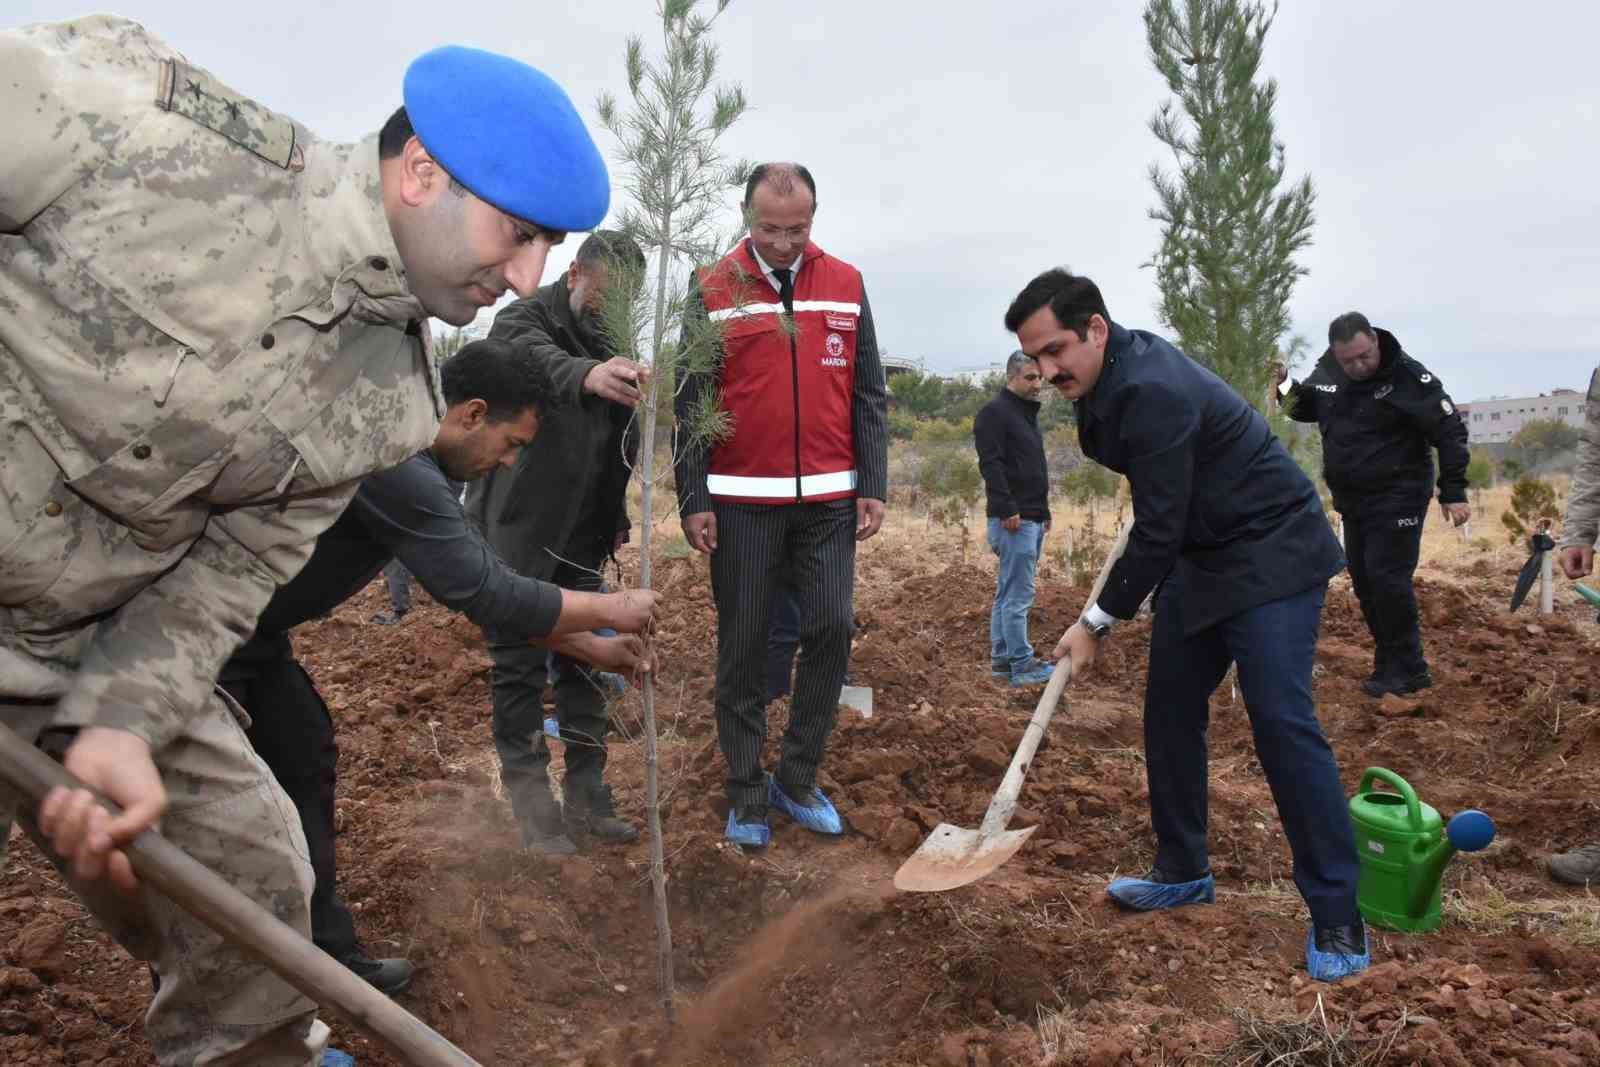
pixel 1061 1038
pixel 1483 907
pixel 1309 1042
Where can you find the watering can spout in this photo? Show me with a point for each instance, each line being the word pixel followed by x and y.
pixel 1467 831
pixel 1430 868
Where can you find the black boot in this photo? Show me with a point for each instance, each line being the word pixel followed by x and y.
pixel 540 821
pixel 591 816
pixel 387 976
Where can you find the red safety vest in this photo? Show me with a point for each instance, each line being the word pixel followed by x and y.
pixel 790 393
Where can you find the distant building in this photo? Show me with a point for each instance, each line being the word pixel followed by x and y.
pixel 478 328
pixel 976 373
pixel 1499 419
pixel 893 365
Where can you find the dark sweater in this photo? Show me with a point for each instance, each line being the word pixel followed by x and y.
pixel 1016 477
pixel 411 512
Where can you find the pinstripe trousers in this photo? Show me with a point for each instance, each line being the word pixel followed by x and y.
pixel 756 544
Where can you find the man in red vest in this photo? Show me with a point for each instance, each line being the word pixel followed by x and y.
pixel 799 478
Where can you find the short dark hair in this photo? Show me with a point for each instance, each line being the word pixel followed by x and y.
pixel 1346 326
pixel 1072 297
pixel 1015 362
pixel 781 176
pixel 506 377
pixel 392 141
pixel 395 133
pixel 609 247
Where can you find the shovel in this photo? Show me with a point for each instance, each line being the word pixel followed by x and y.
pixel 953 856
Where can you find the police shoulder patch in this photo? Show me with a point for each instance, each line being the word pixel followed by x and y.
pixel 191 92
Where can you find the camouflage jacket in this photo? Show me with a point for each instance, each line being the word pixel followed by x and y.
pixel 205 343
pixel 1582 523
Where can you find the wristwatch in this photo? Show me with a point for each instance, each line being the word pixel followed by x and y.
pixel 1097 630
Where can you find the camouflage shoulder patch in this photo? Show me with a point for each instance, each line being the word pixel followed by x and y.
pixel 193 93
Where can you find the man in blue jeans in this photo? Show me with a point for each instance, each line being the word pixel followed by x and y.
pixel 1016 480
pixel 1234 533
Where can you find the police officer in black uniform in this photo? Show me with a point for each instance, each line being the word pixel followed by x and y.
pixel 1380 413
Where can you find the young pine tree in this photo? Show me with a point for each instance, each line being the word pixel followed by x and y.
pixel 677 185
pixel 1230 230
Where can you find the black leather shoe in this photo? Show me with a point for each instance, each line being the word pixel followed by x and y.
pixel 387 976
pixel 1342 940
pixel 1377 687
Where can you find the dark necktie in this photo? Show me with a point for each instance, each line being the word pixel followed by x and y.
pixel 785 278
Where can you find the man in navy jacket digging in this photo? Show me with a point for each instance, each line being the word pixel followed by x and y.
pixel 1234 536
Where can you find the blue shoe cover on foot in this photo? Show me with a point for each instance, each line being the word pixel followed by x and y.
pixel 1141 894
pixel 747 834
pixel 1332 966
pixel 821 818
pixel 334 1058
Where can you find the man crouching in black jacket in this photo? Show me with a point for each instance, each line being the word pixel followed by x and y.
pixel 1234 534
pixel 1380 413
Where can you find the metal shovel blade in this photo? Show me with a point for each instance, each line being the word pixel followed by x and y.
pixel 952 857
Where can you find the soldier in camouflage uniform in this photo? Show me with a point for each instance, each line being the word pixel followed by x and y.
pixel 210 330
pixel 1580 530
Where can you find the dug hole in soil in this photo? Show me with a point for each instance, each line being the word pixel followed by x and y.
pixel 806 954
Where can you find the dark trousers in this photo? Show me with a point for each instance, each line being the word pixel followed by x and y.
pixel 756 544
pixel 784 640
pixel 1274 646
pixel 1383 550
pixel 517 683
pixel 293 733
pixel 398 580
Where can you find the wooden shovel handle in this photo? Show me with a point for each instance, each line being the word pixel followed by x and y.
pixel 199 891
pixel 1005 798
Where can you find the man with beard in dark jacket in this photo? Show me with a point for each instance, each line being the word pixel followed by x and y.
pixel 1016 482
pixel 1380 413
pixel 560 515
pixel 1234 535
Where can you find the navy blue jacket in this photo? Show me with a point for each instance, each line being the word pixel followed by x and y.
pixel 1215 494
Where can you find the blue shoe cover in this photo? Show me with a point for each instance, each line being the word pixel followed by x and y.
pixel 1332 966
pixel 334 1058
pixel 1140 894
pixel 552 728
pixel 747 834
pixel 821 819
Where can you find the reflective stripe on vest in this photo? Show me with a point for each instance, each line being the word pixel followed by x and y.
pixel 780 488
pixel 723 314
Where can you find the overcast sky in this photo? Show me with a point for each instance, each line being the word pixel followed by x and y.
pixel 960 149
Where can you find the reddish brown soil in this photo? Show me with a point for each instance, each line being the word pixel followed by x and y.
pixel 806 955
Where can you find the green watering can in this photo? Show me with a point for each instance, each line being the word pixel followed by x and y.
pixel 1404 846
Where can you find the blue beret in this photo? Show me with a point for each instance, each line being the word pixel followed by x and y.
pixel 510 134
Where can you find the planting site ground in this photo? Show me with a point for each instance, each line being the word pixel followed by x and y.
pixel 806 955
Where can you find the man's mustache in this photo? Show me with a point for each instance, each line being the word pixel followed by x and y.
pixel 1060 378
